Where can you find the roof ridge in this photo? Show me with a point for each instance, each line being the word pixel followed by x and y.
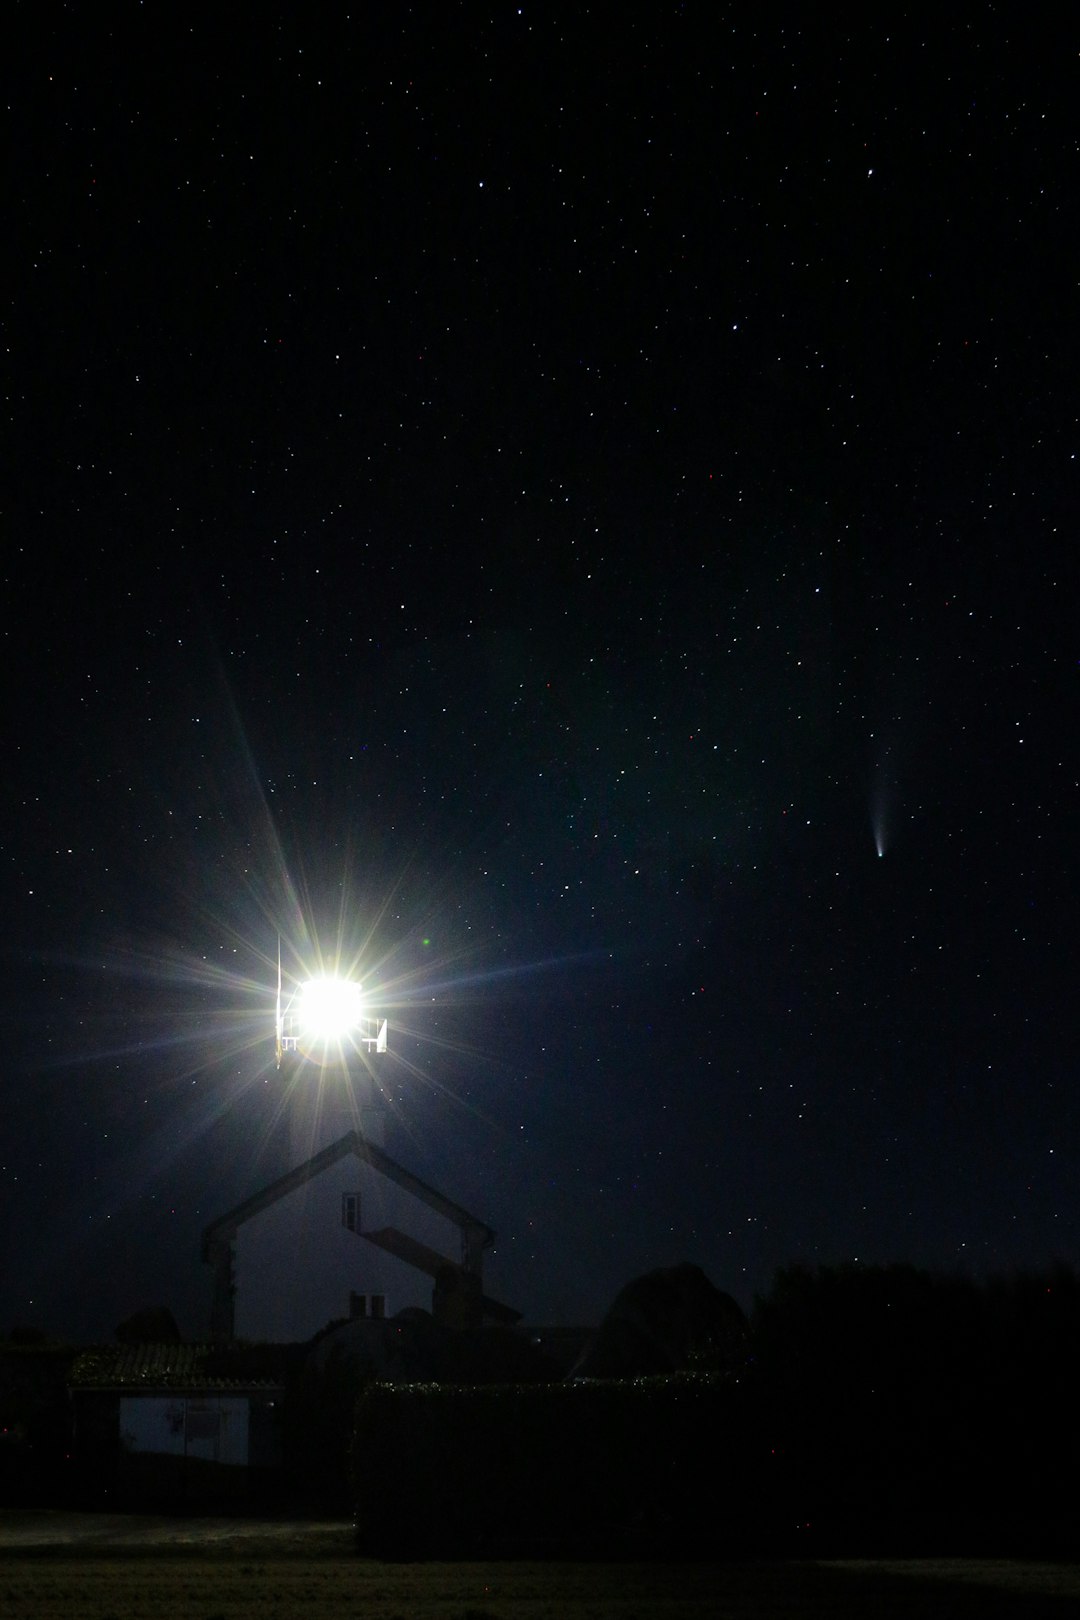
pixel 351 1142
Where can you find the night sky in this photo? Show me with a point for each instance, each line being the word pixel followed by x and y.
pixel 574 509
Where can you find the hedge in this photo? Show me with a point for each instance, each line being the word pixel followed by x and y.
pixel 602 1467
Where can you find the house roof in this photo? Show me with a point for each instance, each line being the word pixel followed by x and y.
pixel 406 1248
pixel 409 1249
pixel 352 1143
pixel 156 1368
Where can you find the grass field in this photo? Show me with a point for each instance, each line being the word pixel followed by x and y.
pixel 314 1575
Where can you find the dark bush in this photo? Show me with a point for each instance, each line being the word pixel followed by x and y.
pixel 918 1413
pixel 881 1409
pixel 597 1468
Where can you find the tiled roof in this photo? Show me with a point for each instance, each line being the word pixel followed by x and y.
pixel 179 1366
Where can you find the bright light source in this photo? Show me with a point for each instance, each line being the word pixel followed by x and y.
pixel 330 1008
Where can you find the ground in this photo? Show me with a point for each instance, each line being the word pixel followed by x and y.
pixel 122 1567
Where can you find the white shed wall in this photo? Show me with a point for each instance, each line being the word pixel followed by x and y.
pixel 213 1427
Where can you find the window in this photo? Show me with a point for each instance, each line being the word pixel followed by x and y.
pixel 367 1307
pixel 350 1211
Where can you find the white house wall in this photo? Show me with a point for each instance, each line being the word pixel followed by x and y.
pixel 296 1264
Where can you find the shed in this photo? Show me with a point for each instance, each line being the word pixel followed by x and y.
pixel 176 1417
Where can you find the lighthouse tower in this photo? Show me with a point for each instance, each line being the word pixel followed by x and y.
pixel 327 1041
pixel 324 1102
pixel 346 1234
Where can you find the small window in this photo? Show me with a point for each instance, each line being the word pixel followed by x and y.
pixel 378 1306
pixel 350 1211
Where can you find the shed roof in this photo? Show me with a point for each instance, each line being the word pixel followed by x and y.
pixel 179 1368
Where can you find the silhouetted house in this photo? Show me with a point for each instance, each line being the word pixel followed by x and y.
pixel 664 1322
pixel 348 1234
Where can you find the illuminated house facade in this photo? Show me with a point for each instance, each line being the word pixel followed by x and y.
pixel 351 1234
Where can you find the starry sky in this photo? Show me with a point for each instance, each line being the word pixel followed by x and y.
pixel 572 508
